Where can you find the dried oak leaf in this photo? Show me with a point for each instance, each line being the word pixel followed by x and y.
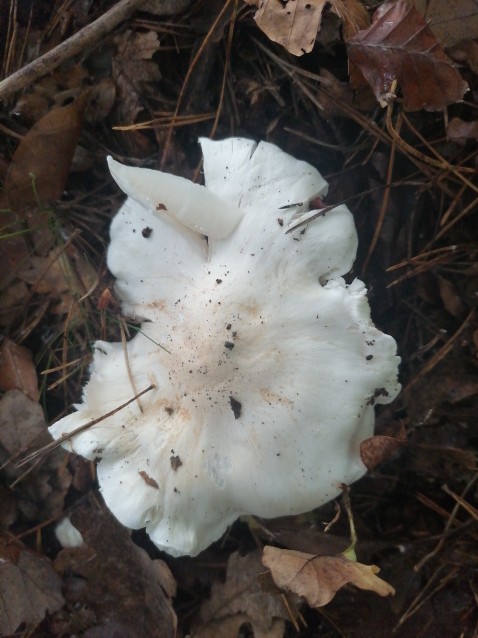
pixel 17 369
pixel 239 601
pixel 294 24
pixel 41 163
pixel 29 588
pixel 42 490
pixel 318 578
pixel 400 46
pixel 129 593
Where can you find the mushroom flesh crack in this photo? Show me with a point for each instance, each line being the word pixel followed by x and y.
pixel 265 363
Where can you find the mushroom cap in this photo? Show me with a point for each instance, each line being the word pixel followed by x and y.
pixel 265 363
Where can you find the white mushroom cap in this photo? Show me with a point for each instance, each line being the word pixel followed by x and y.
pixel 265 363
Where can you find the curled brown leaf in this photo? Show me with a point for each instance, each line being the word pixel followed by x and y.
pixel 378 449
pixel 318 578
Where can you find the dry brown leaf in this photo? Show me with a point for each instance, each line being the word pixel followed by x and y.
pixel 29 588
pixel 378 449
pixel 41 163
pixel 353 14
pixel 292 23
pixel 17 370
pixel 240 600
pixel 128 592
pixel 400 46
pixel 318 578
pixel 56 89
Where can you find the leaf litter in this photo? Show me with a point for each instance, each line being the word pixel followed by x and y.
pixel 318 578
pixel 145 587
pixel 240 601
pixel 399 46
pixel 29 588
pixel 177 71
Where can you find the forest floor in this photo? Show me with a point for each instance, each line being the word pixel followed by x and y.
pixel 402 156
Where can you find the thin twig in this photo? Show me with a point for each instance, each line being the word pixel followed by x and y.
pixel 303 221
pixel 127 362
pixel 383 207
pixel 185 83
pixel 66 437
pixel 472 511
pixel 87 36
pixel 450 522
pixel 442 353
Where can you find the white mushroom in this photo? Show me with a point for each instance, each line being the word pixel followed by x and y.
pixel 265 363
pixel 67 534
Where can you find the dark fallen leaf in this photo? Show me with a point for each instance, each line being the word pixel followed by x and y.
pixel 122 585
pixel 41 163
pixel 29 588
pixel 466 52
pixel 17 370
pixel 400 46
pixel 438 454
pixel 41 490
pixel 240 600
pixel 461 389
pixel 450 297
pixel 450 22
pixel 9 508
pixel 62 276
pixel 460 131
pixel 318 578
pixel 298 532
pixel 15 250
pixel 133 68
